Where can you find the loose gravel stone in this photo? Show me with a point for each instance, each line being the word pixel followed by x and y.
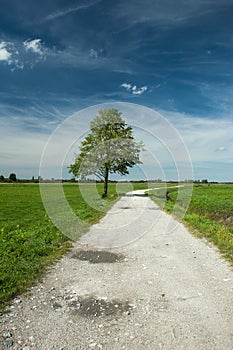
pixel 8 343
pixel 7 335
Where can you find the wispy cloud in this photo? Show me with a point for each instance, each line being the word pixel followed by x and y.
pixel 67 11
pixel 134 89
pixel 22 156
pixel 18 54
pixel 35 46
pixel 166 13
pixel 208 142
pixel 203 136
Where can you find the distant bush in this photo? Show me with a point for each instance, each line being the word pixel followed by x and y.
pixel 13 177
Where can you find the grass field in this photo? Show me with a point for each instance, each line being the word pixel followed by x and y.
pixel 28 239
pixel 210 213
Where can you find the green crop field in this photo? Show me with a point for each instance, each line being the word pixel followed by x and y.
pixel 28 239
pixel 209 215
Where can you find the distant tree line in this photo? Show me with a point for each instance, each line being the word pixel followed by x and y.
pixel 13 178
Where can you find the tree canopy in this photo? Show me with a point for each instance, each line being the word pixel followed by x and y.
pixel 12 177
pixel 110 147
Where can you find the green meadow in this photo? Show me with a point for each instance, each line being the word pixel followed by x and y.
pixel 28 239
pixel 209 215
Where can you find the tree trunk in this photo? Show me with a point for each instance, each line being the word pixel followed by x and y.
pixel 105 194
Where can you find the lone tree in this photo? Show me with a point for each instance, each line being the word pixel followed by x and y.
pixel 109 148
pixel 12 177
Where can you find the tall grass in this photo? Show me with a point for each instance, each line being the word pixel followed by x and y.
pixel 210 213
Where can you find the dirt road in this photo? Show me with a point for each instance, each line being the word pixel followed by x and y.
pixel 162 291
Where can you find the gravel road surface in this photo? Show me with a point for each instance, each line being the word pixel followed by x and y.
pixel 153 286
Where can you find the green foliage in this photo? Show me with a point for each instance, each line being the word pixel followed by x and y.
pixel 12 177
pixel 109 148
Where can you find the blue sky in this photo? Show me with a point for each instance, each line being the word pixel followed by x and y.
pixel 175 57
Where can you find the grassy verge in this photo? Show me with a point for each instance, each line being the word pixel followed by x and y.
pixel 28 239
pixel 210 213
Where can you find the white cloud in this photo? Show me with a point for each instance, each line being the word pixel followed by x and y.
pixel 202 136
pixel 134 89
pixel 5 55
pixel 126 86
pixel 93 53
pixel 139 91
pixel 17 54
pixel 10 54
pixel 21 156
pixel 34 46
pixel 208 140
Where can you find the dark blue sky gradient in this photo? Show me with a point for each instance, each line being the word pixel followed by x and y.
pixel 181 51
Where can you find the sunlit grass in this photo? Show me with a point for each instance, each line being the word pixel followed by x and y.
pixel 28 239
pixel 210 213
